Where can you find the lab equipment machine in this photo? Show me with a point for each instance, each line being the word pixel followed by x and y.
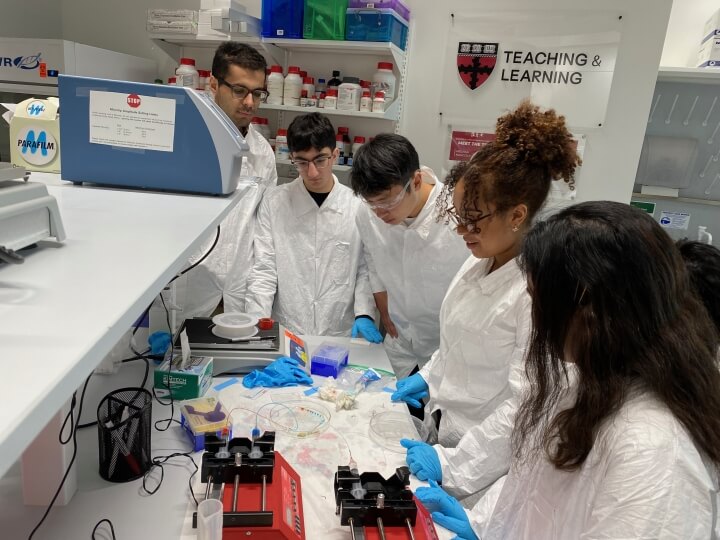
pixel 148 136
pixel 376 507
pixel 239 355
pixel 260 492
pixel 28 213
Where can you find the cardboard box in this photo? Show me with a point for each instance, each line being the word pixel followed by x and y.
pixel 712 27
pixel 709 53
pixel 189 383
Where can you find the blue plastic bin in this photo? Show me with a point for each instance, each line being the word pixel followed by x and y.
pixel 366 24
pixel 282 18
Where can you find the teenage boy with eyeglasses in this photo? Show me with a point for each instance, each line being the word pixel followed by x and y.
pixel 309 271
pixel 411 256
pixel 220 281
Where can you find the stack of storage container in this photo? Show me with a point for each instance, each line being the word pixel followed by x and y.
pixel 353 20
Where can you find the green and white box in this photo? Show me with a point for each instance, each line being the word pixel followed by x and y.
pixel 188 383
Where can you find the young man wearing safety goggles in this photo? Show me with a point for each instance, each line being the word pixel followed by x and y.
pixel 410 255
pixel 309 271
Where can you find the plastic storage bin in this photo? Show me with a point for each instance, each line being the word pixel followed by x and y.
pixel 282 19
pixel 325 19
pixel 376 25
pixel 328 359
pixel 396 5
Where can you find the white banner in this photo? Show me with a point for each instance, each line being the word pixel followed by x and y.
pixel 561 60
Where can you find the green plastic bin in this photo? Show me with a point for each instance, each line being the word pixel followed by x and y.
pixel 325 19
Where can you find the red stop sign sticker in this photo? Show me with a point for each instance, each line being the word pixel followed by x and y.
pixel 133 100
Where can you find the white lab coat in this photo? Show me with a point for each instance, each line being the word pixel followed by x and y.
pixel 309 261
pixel 485 323
pixel 224 273
pixel 415 265
pixel 643 479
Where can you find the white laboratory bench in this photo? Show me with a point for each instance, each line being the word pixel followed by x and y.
pixel 164 516
pixel 64 309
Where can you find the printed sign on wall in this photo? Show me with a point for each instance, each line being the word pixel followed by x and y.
pixel 562 59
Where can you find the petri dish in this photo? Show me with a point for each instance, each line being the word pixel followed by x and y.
pixel 387 428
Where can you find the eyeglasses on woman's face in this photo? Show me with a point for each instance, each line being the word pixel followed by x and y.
pixel 470 222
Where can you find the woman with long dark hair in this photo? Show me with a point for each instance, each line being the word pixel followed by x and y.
pixel 619 435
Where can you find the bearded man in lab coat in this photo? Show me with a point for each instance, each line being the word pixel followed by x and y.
pixel 238 85
pixel 309 270
pixel 412 258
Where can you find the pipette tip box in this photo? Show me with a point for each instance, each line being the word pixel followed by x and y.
pixel 328 359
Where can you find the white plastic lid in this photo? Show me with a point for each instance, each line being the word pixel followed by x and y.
pixel 234 320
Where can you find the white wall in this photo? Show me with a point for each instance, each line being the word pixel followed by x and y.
pixel 613 151
pixel 684 32
pixel 31 19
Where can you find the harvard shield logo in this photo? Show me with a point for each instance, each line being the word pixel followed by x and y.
pixel 475 62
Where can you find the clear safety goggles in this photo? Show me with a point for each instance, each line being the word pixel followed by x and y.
pixel 392 203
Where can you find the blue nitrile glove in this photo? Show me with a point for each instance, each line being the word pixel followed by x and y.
pixel 284 371
pixel 159 342
pixel 366 327
pixel 446 511
pixel 422 460
pixel 411 390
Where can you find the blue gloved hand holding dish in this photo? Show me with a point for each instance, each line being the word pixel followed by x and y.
pixel 446 511
pixel 423 460
pixel 411 390
pixel 367 329
pixel 284 371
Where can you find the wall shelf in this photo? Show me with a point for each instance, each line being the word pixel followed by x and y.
pixel 689 75
pixel 391 114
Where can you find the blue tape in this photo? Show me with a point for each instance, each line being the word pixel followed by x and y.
pixel 389 390
pixel 227 383
pixel 311 391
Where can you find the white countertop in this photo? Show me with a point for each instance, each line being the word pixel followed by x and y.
pixel 64 309
pixel 165 515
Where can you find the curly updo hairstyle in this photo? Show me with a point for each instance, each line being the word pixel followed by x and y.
pixel 531 149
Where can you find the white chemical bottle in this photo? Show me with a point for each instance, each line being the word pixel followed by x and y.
pixel 275 85
pixel 186 74
pixel 704 236
pixel 384 80
pixel 349 94
pixel 293 87
pixel 366 101
pixel 282 152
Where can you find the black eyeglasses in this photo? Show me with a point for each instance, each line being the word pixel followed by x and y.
pixel 320 162
pixel 240 92
pixel 471 224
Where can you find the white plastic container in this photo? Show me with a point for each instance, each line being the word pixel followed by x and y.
pixel 275 85
pixel 704 236
pixel 349 94
pixel 292 87
pixel 281 146
pixel 384 80
pixel 321 100
pixel 357 143
pixel 331 99
pixel 366 101
pixel 309 86
pixel 203 75
pixel 379 103
pixel 186 74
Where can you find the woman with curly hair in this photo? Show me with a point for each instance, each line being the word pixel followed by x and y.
pixel 619 433
pixel 485 316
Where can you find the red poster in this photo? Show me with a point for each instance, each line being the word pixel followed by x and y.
pixel 464 144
